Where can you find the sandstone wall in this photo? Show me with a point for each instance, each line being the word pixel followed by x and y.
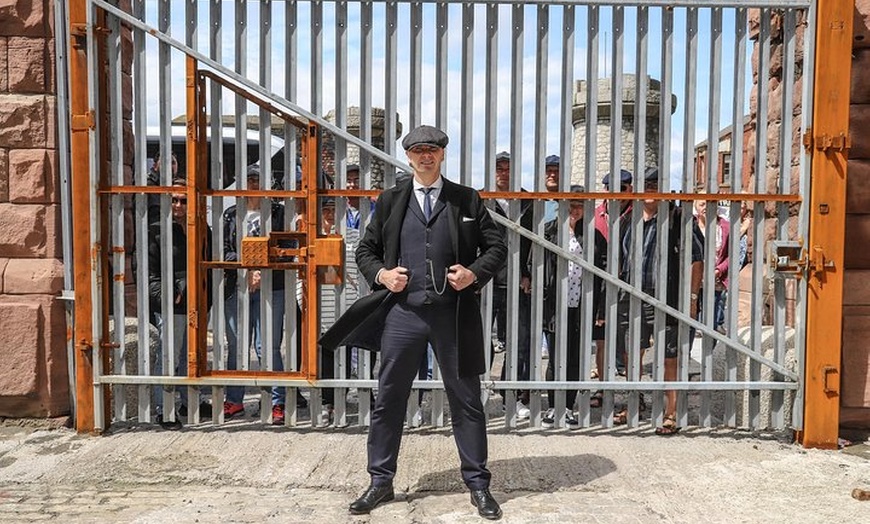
pixel 33 378
pixel 855 387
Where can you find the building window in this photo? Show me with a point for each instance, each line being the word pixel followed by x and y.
pixel 726 170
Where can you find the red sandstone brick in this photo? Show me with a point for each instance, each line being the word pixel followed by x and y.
pixel 22 18
pixel 27 63
pixel 859 121
pixel 858 235
pixel 4 75
pixel 33 276
pixel 859 92
pixel 50 128
pixel 22 121
pixel 856 287
pixel 20 324
pixel 858 187
pixel 3 262
pixel 855 383
pixel 23 230
pixel 29 171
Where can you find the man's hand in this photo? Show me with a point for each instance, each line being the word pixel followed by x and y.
pixel 460 277
pixel 394 279
pixel 526 285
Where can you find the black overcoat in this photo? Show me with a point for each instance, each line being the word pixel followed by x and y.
pixel 477 243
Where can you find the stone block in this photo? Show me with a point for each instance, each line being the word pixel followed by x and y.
pixel 33 276
pixel 53 240
pixel 50 128
pixel 22 18
pixel 859 120
pixel 856 287
pixel 23 230
pixel 28 61
pixel 21 324
pixel 858 187
pixel 22 121
pixel 3 262
pixel 859 91
pixel 855 367
pixel 4 75
pixel 858 235
pixel 50 355
pixel 4 175
pixel 126 398
pixel 126 96
pixel 766 348
pixel 29 173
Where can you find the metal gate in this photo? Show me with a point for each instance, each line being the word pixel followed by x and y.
pixel 532 78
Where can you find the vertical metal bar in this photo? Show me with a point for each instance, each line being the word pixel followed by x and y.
pixel 712 211
pixel 513 276
pixel 590 179
pixel 758 214
pixel 167 271
pixel 390 96
pixel 536 369
pixel 312 204
pixel 61 18
pixel 80 145
pixel 737 118
pixel 291 303
pixel 801 300
pixel 441 90
pixel 825 299
pixel 565 181
pixel 340 171
pixel 116 139
pixel 217 207
pixel 416 66
pixel 365 130
pixel 267 325
pixel 784 216
pixel 467 87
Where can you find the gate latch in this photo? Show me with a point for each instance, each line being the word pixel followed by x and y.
pixel 789 259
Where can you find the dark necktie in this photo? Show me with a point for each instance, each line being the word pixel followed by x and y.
pixel 427 204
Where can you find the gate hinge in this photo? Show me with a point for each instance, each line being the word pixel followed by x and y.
pixel 826 142
pixel 84 122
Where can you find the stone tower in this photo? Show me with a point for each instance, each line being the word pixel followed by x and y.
pixel 353 127
pixel 605 102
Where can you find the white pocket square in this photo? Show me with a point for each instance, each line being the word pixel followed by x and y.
pixel 468 219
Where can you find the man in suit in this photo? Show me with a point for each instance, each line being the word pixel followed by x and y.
pixel 432 244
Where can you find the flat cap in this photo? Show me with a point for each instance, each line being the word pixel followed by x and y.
pixel 624 178
pixel 552 160
pixel 327 202
pixel 253 171
pixel 425 135
pixel 503 156
pixel 651 175
pixel 352 167
pixel 577 188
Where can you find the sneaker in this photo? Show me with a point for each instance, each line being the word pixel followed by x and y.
pixel 278 414
pixel 549 420
pixel 523 412
pixel 204 410
pixel 169 424
pixel 231 409
pixel 417 419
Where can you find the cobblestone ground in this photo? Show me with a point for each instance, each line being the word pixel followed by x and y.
pixel 248 472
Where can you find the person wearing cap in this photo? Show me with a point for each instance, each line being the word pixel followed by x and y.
pixel 178 313
pixel 575 276
pixel 432 244
pixel 251 225
pixel 602 225
pixel 500 286
pixel 649 284
pixel 551 183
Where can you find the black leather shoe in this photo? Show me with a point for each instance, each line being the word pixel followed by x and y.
pixel 486 506
pixel 170 425
pixel 371 498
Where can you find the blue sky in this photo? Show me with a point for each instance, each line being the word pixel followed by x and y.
pixel 530 76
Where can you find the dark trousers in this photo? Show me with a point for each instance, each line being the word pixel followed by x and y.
pixel 407 332
pixel 524 333
pixel 572 356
